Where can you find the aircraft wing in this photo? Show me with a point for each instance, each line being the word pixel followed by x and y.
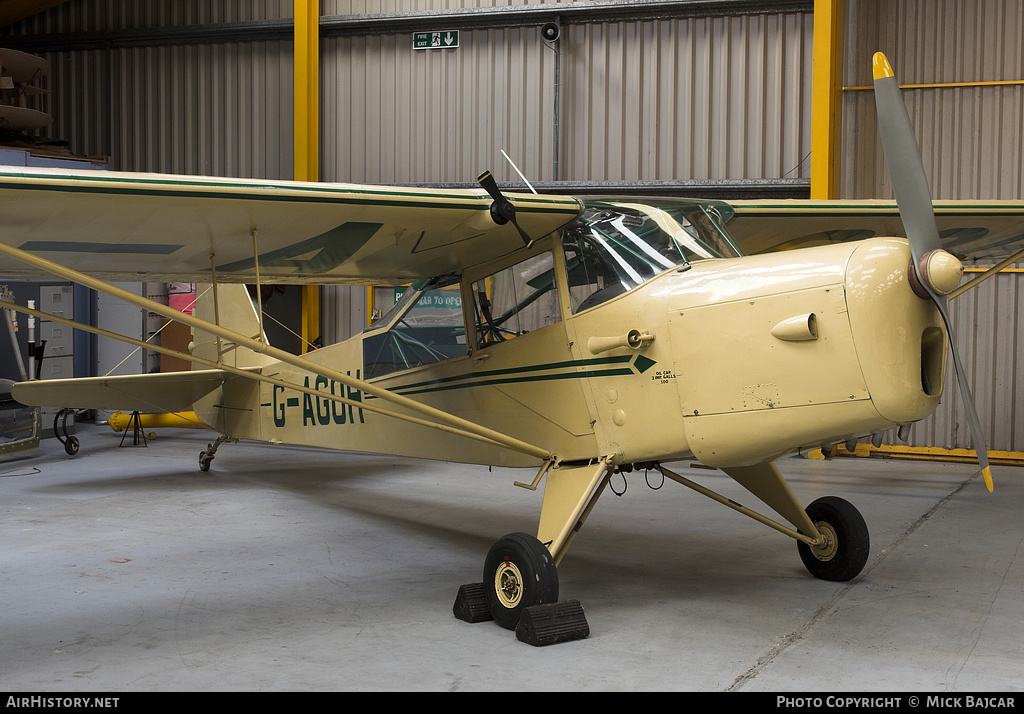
pixel 165 392
pixel 970 230
pixel 160 227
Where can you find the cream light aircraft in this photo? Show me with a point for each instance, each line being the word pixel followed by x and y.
pixel 574 337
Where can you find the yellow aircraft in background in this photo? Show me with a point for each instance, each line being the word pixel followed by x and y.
pixel 574 337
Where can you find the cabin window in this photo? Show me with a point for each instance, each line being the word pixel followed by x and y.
pixel 614 247
pixel 516 300
pixel 429 329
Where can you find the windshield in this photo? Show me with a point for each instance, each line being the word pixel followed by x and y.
pixel 614 246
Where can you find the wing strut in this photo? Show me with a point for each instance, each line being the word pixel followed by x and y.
pixel 450 422
pixel 259 285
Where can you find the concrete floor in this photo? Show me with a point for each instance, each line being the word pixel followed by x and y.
pixel 126 569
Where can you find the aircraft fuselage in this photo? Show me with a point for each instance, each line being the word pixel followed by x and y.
pixel 744 360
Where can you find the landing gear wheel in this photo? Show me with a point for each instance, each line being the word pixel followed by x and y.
pixel 519 572
pixel 845 551
pixel 60 426
pixel 205 457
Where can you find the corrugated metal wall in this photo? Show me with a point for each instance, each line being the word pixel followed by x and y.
pixel 392 114
pixel 209 109
pixel 972 140
pixel 989 326
pixel 990 337
pixel 104 15
pixel 202 109
pixel 973 135
pixel 216 109
pixel 673 99
pixel 666 99
pixel 694 98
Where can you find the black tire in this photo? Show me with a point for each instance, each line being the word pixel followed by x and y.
pixel 71 446
pixel 519 572
pixel 848 544
pixel 204 461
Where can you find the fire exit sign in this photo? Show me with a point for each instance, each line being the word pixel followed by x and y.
pixel 442 40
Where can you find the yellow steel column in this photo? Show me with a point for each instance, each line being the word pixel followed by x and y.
pixel 307 131
pixel 826 100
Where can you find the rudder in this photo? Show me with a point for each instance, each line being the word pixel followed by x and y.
pixel 229 306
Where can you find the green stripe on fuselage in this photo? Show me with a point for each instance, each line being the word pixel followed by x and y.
pixel 569 369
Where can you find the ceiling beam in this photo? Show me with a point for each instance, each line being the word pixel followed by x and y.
pixel 12 11
pixel 581 12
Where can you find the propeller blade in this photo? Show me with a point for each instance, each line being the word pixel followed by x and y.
pixel 913 197
pixel 491 186
pixel 965 391
pixel 502 210
pixel 903 157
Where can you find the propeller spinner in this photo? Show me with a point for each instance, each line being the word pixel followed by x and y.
pixel 935 272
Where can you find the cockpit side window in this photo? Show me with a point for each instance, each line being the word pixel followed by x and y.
pixel 516 300
pixel 431 329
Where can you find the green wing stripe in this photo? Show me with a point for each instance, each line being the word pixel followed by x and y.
pixel 139 186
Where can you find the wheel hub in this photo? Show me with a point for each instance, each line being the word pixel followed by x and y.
pixel 826 549
pixel 508 584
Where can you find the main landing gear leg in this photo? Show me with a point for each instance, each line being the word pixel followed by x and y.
pixel 832 537
pixel 520 577
pixel 205 457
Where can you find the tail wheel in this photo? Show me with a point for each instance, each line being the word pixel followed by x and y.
pixel 844 550
pixel 519 572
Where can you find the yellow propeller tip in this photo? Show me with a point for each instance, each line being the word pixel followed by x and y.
pixel 987 473
pixel 881 67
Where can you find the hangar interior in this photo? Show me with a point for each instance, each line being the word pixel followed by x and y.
pixel 725 99
pixel 704 99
